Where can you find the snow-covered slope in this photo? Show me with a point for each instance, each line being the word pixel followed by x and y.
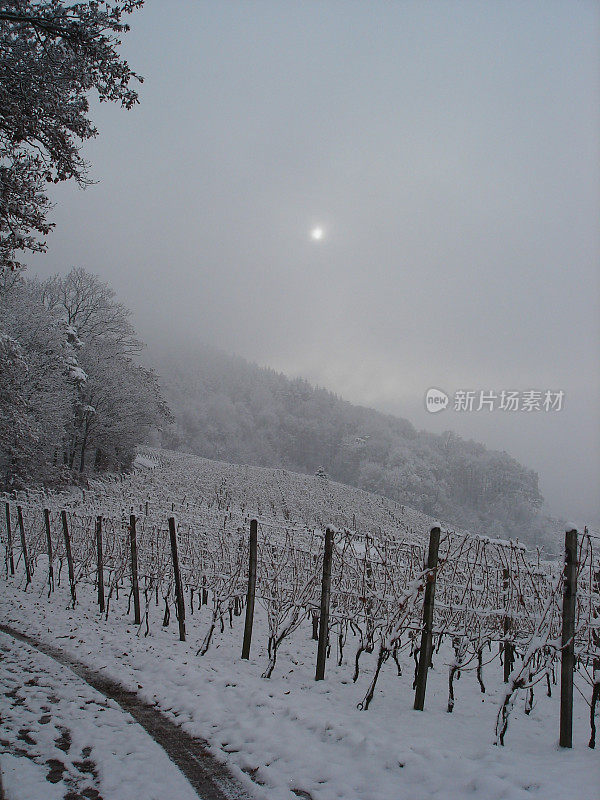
pixel 289 736
pixel 177 481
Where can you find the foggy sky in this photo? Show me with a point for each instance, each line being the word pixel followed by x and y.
pixel 449 150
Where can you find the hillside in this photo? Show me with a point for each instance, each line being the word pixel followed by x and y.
pixel 201 488
pixel 277 728
pixel 228 409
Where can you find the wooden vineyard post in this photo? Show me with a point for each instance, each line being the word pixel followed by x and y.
pixel 49 546
pixel 568 640
pixel 177 576
pixel 595 662
pixel 24 545
pixel 65 527
pixel 11 558
pixel 251 589
pixel 427 633
pixel 100 563
pixel 134 571
pixel 508 647
pixel 324 615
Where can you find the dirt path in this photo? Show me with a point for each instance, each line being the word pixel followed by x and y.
pixel 209 778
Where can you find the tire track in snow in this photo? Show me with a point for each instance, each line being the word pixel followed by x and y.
pixel 210 779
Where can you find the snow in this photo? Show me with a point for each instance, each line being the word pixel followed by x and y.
pixel 142 460
pixel 289 732
pixel 60 735
pixel 289 736
pixel 78 374
pixel 23 778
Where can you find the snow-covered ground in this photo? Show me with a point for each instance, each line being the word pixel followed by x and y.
pixel 286 737
pixel 62 739
pixel 185 483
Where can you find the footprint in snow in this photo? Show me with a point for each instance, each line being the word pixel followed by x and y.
pixel 63 742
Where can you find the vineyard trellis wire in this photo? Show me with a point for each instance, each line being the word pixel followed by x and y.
pixel 494 600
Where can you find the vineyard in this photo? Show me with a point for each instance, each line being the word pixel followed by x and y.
pixel 374 588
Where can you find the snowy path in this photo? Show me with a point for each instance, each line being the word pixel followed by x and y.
pixel 65 735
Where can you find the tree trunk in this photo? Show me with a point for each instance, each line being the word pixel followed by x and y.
pixel 83 446
pixel 72 455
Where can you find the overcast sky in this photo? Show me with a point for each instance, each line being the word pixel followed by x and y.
pixel 450 152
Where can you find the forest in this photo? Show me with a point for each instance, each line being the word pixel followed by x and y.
pixel 228 409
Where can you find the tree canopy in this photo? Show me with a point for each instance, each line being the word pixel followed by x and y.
pixel 52 55
pixel 73 399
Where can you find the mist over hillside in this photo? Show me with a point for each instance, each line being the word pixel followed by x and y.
pixel 226 408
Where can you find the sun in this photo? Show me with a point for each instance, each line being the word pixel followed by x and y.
pixel 317 234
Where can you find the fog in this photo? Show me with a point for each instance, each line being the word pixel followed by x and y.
pixel 449 151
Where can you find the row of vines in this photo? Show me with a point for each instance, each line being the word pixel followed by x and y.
pixel 494 600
